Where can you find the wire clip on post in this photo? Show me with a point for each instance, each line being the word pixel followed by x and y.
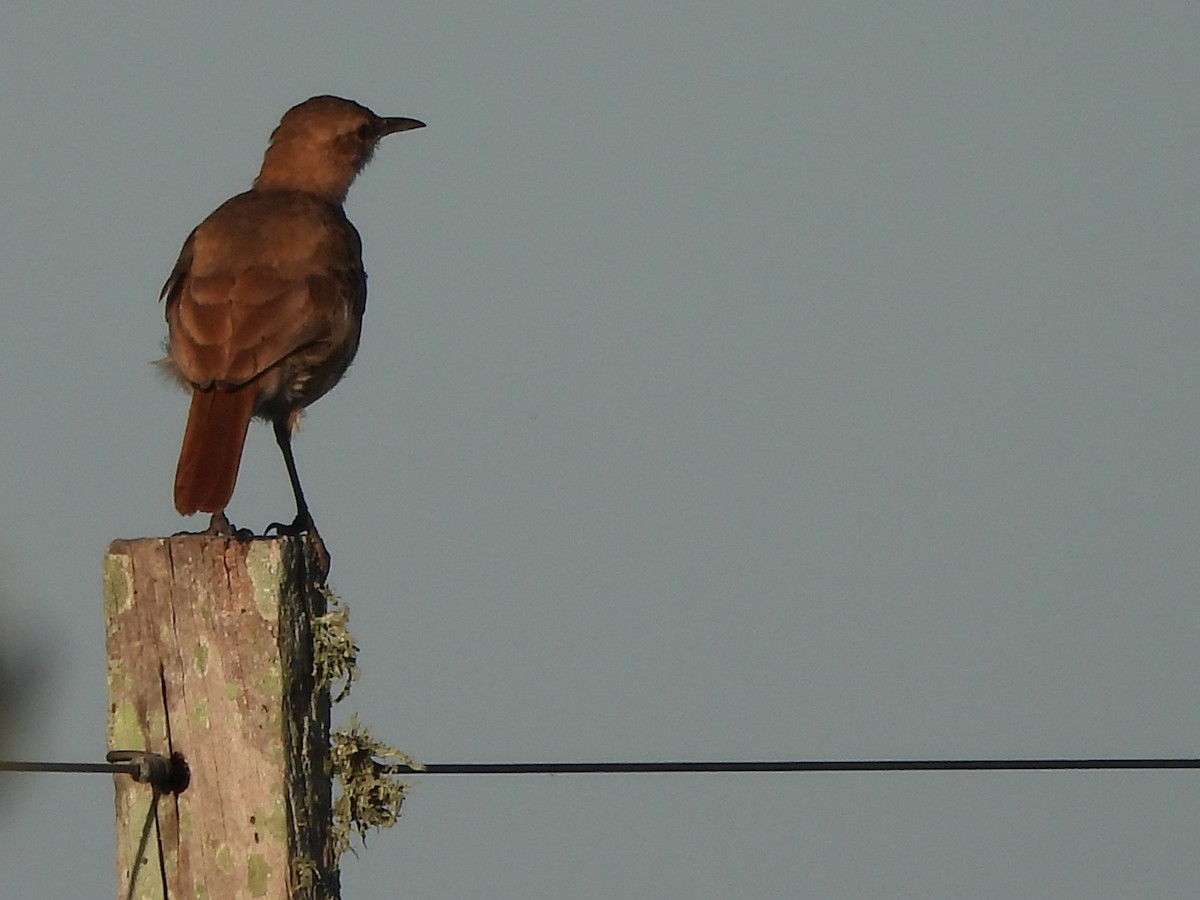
pixel 167 775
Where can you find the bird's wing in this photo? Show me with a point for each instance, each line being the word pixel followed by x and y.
pixel 255 285
pixel 170 290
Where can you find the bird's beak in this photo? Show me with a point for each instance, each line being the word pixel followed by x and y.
pixel 392 124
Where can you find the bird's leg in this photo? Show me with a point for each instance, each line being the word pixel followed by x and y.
pixel 219 525
pixel 304 520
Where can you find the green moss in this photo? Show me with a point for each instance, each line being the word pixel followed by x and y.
pixel 335 653
pixel 305 874
pixel 200 656
pixel 371 796
pixel 156 727
pixel 258 875
pixel 263 564
pixel 118 586
pixel 185 820
pixel 125 728
pixel 273 822
pixel 201 714
pixel 119 681
pixel 269 681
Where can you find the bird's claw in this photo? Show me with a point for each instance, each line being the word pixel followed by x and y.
pixel 298 526
pixel 304 525
pixel 220 526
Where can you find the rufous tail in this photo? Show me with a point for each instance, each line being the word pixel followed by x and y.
pixel 212 449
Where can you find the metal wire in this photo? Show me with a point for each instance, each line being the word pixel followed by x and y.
pixel 138 770
pixel 884 765
pixel 126 768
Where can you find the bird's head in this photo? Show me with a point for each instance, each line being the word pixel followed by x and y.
pixel 321 144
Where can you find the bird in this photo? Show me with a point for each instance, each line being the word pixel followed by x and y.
pixel 264 306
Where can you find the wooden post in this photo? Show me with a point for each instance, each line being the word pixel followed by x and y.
pixel 210 654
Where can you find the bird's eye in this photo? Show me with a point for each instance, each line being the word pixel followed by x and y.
pixel 365 131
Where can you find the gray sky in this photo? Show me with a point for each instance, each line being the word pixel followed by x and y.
pixel 756 380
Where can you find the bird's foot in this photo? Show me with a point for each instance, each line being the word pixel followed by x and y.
pixel 298 526
pixel 303 524
pixel 220 526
